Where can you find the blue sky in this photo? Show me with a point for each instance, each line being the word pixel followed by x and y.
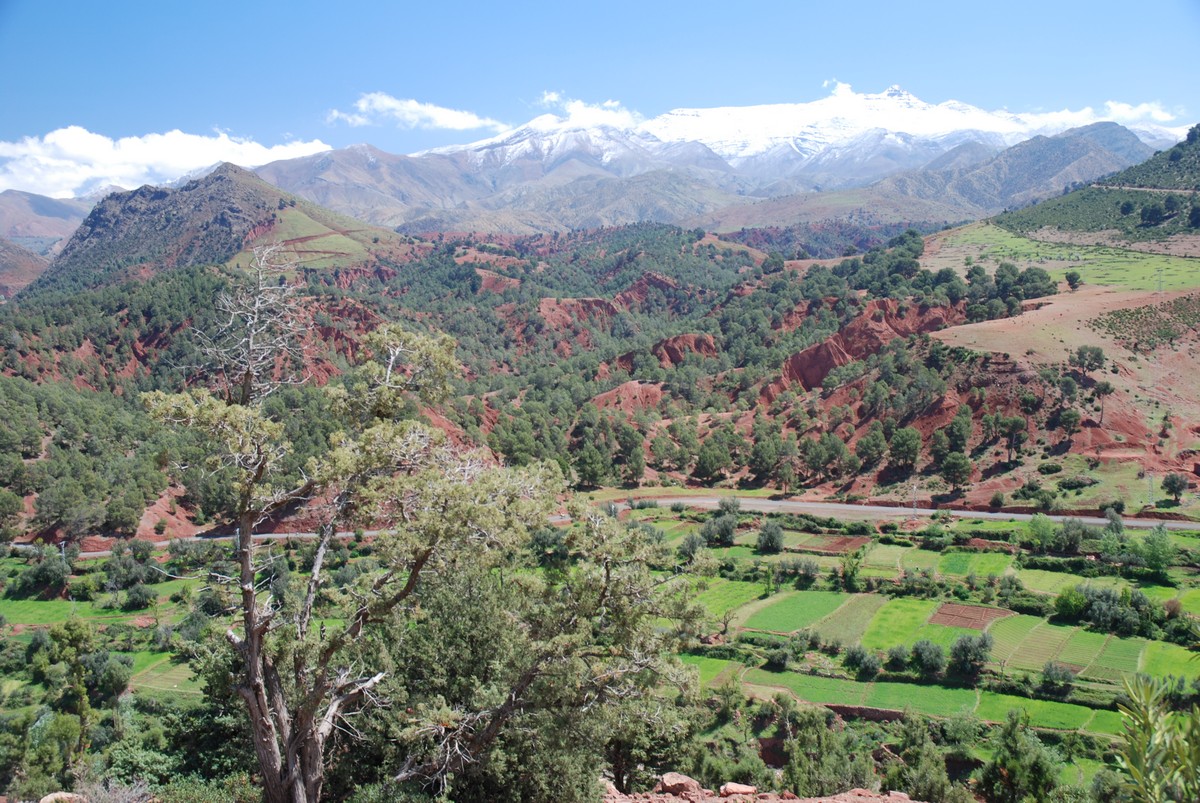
pixel 260 79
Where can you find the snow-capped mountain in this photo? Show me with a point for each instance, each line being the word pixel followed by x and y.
pixel 844 139
pixel 552 171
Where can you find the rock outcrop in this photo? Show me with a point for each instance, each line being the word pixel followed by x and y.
pixel 677 788
pixel 880 322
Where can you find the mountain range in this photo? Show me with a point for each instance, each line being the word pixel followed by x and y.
pixel 873 160
pixel 693 165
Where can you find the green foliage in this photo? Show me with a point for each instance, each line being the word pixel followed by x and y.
pixel 770 538
pixel 1175 485
pixel 820 760
pixel 968 654
pixel 956 469
pixel 905 447
pixel 1021 767
pixel 1161 751
pixel 928 659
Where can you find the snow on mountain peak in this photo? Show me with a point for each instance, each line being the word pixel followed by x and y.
pixel 742 134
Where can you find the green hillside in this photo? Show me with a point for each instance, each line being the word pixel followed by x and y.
pixel 1151 201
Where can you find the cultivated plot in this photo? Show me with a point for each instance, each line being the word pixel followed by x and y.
pixel 897 622
pixel 848 623
pixel 795 610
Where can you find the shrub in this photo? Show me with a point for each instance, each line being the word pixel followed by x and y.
pixel 770 539
pixel 928 658
pixel 1056 678
pixel 969 654
pixel 778 659
pixel 997 499
pixel 855 656
pixel 719 531
pixel 139 598
pixel 869 667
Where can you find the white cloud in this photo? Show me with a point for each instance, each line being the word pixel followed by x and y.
pixel 570 113
pixel 74 161
pixel 377 107
pixel 1140 113
pixel 840 88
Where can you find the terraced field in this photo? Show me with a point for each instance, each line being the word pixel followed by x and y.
pixel 709 668
pixel 795 610
pixel 932 700
pixel 849 622
pixel 1042 644
pixel 1119 657
pixel 1081 649
pixel 897 622
pixel 719 596
pixel 980 564
pixel 1008 633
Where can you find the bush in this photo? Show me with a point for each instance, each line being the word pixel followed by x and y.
pixel 869 667
pixel 928 659
pixel 997 499
pixel 1049 468
pixel 139 598
pixel 1056 678
pixel 898 657
pixel 778 659
pixel 678 507
pixel 719 532
pixel 969 654
pixel 770 539
pixel 855 656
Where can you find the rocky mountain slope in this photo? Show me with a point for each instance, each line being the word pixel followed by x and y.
pixel 1152 206
pixel 40 224
pixel 18 267
pixel 554 174
pixel 207 221
pixel 965 183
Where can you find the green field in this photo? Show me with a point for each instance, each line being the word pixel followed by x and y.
pixel 1008 633
pixel 1160 659
pixel 810 688
pixel 897 622
pixel 795 610
pixel 1134 270
pixel 931 700
pixel 167 677
pixel 1119 657
pixel 1083 647
pixel 52 611
pixel 1042 713
pixel 848 623
pixel 709 668
pixel 934 700
pixel 1041 645
pixel 981 564
pixel 721 596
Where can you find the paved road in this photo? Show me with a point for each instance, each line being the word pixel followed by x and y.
pixel 758 504
pixel 848 511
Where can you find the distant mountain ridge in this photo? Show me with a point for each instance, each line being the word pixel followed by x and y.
pixel 553 175
pixel 965 183
pixel 207 221
pixel 18 267
pixel 1152 206
pixel 40 224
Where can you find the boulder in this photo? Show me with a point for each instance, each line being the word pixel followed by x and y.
pixel 674 783
pixel 730 789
